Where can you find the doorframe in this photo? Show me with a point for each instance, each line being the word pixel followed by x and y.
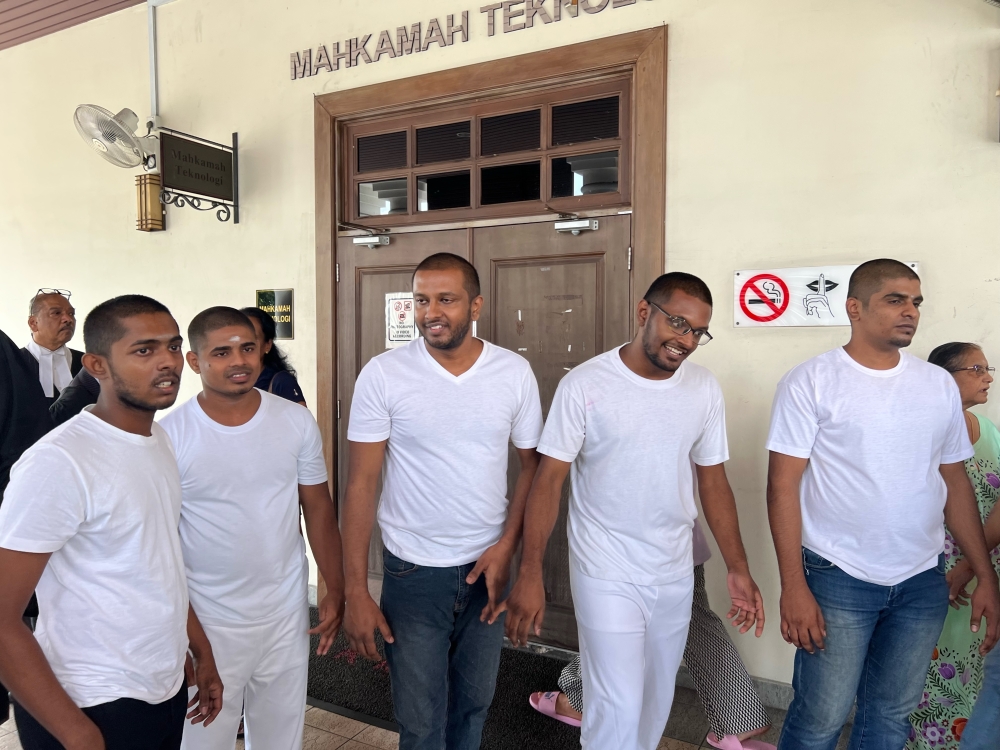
pixel 644 53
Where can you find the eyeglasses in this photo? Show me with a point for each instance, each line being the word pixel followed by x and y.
pixel 64 292
pixel 978 369
pixel 681 327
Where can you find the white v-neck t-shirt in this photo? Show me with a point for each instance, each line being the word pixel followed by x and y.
pixel 872 494
pixel 632 442
pixel 245 555
pixel 444 491
pixel 112 599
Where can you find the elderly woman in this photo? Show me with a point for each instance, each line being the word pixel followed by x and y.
pixel 961 704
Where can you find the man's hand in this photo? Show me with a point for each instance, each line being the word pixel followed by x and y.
pixel 494 563
pixel 88 737
pixel 958 578
pixel 331 613
pixel 802 622
pixel 748 604
pixel 204 675
pixel 361 618
pixel 986 603
pixel 525 608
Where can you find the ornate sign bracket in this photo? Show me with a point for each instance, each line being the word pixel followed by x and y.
pixel 212 199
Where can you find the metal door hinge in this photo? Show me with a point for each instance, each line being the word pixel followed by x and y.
pixel 630 259
pixel 338 273
pixel 338 408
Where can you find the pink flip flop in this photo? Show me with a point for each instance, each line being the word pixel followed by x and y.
pixel 730 742
pixel 545 703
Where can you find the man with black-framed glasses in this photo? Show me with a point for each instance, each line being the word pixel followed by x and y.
pixel 52 320
pixel 636 426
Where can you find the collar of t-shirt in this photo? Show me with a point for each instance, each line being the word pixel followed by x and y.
pixel 250 424
pixel 53 367
pixel 437 367
pixel 890 373
pixel 619 364
pixel 99 425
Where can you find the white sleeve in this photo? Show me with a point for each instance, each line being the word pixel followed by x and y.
pixel 566 427
pixel 957 446
pixel 45 503
pixel 794 424
pixel 527 427
pixel 311 463
pixel 370 421
pixel 712 446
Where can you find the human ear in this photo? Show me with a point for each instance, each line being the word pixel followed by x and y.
pixel 96 365
pixel 192 360
pixel 642 313
pixel 477 306
pixel 853 309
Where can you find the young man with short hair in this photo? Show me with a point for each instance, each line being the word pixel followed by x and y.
pixel 439 414
pixel 868 446
pixel 635 426
pixel 90 520
pixel 248 460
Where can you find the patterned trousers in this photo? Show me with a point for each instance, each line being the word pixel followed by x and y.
pixel 724 686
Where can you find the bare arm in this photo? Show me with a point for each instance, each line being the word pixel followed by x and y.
pixel 802 621
pixel 24 668
pixel 361 615
pixel 324 540
pixel 203 673
pixel 961 514
pixel 526 603
pixel 719 505
pixel 494 563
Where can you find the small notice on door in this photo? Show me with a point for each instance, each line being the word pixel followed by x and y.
pixel 399 325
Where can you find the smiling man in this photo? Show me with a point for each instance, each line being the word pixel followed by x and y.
pixel 867 459
pixel 248 460
pixel 90 519
pixel 439 413
pixel 635 426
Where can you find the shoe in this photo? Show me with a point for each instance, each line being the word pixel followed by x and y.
pixel 731 742
pixel 545 703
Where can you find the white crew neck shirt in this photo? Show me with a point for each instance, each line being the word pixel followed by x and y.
pixel 632 441
pixel 444 491
pixel 239 527
pixel 112 599
pixel 872 494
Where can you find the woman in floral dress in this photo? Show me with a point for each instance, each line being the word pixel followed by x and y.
pixel 955 676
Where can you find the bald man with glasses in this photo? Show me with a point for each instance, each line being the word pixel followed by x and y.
pixel 52 321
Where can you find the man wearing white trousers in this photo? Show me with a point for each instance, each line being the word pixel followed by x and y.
pixel 629 424
pixel 248 461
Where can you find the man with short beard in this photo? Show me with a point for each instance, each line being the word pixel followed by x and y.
pixel 636 426
pixel 439 413
pixel 248 461
pixel 90 519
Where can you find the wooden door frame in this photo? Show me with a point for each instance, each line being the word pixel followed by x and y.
pixel 644 53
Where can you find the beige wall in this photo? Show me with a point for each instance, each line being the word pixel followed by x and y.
pixel 800 132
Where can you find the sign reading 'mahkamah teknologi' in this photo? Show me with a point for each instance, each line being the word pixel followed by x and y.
pixel 196 167
pixel 512 15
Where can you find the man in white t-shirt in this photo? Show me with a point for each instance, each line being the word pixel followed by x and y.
pixel 867 459
pixel 439 414
pixel 248 460
pixel 90 520
pixel 628 425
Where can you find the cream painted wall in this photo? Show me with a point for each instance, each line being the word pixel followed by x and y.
pixel 799 132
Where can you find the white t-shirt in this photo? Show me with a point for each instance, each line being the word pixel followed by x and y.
pixel 245 556
pixel 872 494
pixel 113 599
pixel 632 441
pixel 444 492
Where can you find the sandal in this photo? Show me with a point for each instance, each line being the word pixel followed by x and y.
pixel 545 703
pixel 731 742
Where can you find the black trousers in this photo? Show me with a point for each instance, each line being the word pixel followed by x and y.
pixel 127 724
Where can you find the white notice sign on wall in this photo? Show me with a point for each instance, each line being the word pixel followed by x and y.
pixel 399 325
pixel 813 296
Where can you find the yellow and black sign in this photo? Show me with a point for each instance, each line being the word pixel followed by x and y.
pixel 280 305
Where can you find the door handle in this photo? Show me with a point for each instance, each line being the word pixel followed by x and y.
pixel 372 240
pixel 576 226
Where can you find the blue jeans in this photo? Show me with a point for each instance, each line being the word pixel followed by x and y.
pixel 879 642
pixel 983 730
pixel 444 661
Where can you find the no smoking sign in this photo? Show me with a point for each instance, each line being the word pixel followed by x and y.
pixel 764 298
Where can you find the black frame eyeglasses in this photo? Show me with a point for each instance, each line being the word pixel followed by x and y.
pixel 682 328
pixel 978 369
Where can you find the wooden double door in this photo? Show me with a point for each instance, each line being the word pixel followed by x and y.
pixel 555 298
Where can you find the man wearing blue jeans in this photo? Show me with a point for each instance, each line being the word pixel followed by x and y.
pixel 983 730
pixel 867 448
pixel 439 414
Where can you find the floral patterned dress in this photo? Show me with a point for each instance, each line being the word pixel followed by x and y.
pixel 955 675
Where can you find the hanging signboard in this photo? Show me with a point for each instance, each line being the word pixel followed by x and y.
pixel 399 324
pixel 196 167
pixel 812 296
pixel 280 305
